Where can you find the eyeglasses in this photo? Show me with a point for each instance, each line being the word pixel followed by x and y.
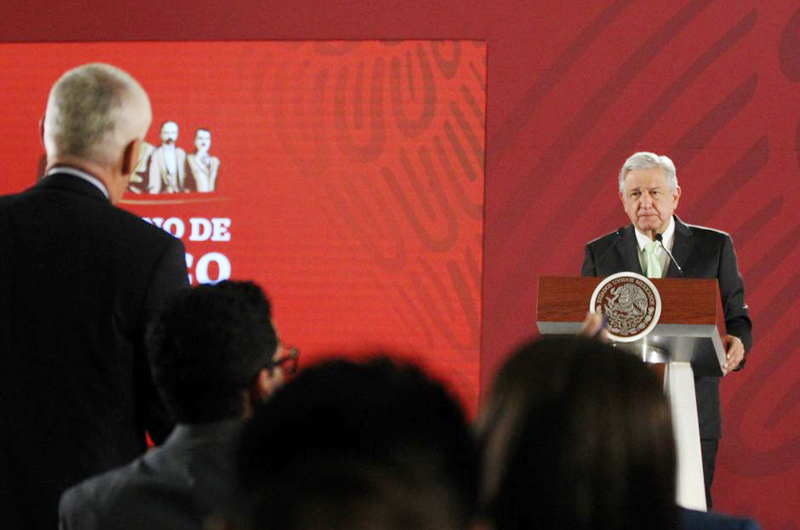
pixel 289 360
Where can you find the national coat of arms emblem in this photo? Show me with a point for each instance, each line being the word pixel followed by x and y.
pixel 630 303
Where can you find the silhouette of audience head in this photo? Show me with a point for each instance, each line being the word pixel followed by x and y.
pixel 212 351
pixel 371 445
pixel 577 435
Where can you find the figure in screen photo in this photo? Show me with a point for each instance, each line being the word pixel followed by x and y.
pixel 203 168
pixel 141 175
pixel 167 163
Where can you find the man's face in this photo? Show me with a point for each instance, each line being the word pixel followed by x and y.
pixel 202 141
pixel 169 132
pixel 648 200
pixel 271 379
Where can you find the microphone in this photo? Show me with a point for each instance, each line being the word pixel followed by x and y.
pixel 660 240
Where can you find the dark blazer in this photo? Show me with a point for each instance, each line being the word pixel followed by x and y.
pixel 694 520
pixel 702 253
pixel 173 486
pixel 79 280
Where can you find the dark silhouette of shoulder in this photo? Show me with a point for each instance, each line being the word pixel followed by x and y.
pixel 695 520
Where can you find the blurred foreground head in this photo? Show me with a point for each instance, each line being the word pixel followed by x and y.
pixel 357 446
pixel 577 435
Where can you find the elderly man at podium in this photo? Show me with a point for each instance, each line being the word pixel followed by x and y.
pixel 649 192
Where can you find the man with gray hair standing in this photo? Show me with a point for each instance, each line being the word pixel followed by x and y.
pixel 78 279
pixel 649 192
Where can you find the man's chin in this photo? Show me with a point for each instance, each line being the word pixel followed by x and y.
pixel 647 227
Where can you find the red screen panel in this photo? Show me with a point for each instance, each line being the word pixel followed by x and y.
pixel 346 177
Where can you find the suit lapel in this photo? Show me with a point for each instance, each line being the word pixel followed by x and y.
pixel 626 245
pixel 681 247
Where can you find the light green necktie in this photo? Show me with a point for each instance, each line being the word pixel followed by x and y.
pixel 651 261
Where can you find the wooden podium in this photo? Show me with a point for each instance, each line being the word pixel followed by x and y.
pixel 687 340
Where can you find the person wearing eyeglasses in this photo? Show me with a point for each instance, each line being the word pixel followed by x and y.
pixel 215 356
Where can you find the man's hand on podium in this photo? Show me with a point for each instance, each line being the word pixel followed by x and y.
pixel 734 353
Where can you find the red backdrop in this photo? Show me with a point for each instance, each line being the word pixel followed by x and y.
pixel 573 88
pixel 350 181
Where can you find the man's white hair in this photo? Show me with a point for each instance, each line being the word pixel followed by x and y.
pixel 93 112
pixel 647 160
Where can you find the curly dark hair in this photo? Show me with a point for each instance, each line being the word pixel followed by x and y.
pixel 208 346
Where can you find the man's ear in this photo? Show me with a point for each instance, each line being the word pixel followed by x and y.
pixel 41 130
pixel 130 156
pixel 267 383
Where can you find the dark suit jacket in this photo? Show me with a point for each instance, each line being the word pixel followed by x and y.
pixel 694 520
pixel 702 253
pixel 173 486
pixel 79 280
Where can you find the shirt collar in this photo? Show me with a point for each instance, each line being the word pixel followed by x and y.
pixel 81 175
pixel 666 238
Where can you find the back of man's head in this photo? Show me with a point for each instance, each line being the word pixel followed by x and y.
pixel 93 112
pixel 207 348
pixel 359 445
